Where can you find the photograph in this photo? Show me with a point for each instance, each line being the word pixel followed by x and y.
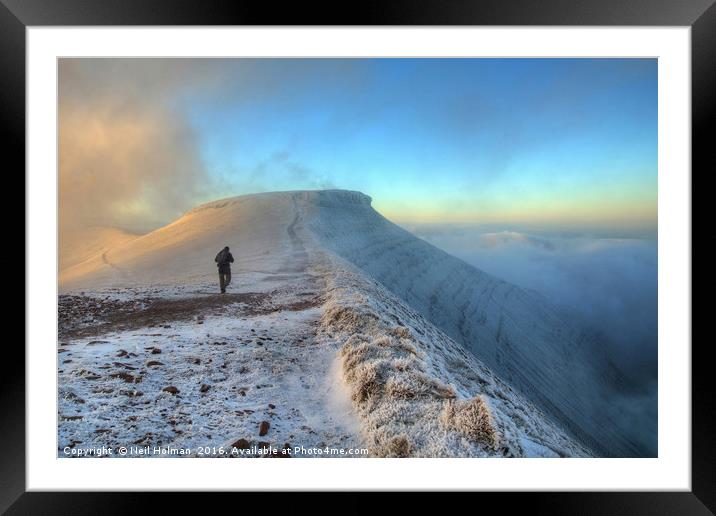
pixel 357 257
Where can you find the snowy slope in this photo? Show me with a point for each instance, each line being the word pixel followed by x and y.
pixel 78 246
pixel 515 332
pixel 389 310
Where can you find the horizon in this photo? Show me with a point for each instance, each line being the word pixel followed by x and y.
pixel 431 141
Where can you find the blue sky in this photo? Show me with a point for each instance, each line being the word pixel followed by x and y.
pixel 564 143
pixel 455 140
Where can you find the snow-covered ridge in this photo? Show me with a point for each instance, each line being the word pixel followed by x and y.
pixel 326 198
pixel 513 332
pixel 419 393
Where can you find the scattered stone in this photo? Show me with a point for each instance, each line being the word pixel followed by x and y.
pixel 241 444
pixel 126 366
pixel 171 389
pixel 264 428
pixel 204 387
pixel 126 377
pixel 272 406
pixel 152 363
pixel 131 394
pixel 122 353
pixel 62 350
pixel 71 418
pixel 156 351
pixel 71 396
pixel 144 440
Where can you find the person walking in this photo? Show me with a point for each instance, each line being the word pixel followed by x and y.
pixel 223 262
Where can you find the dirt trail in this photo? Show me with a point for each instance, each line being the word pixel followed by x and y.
pixel 82 316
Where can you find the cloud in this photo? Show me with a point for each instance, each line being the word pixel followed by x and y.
pixel 126 158
pixel 280 168
pixel 129 156
pixel 607 285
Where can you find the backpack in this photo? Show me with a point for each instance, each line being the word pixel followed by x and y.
pixel 221 257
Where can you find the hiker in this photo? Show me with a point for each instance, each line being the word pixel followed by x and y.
pixel 223 261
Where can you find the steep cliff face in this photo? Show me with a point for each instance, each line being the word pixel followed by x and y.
pixel 513 332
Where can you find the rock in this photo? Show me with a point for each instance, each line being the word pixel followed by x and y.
pixel 241 444
pixel 71 418
pixel 153 363
pixel 156 351
pixel 71 396
pixel 204 387
pixel 264 428
pixel 131 394
pixel 126 377
pixel 272 406
pixel 122 353
pixel 171 389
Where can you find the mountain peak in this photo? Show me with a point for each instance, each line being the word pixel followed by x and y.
pixel 329 197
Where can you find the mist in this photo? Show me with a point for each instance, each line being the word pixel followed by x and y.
pixel 606 284
pixel 127 159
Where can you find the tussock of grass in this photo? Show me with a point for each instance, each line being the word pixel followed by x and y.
pixel 398 446
pixel 471 418
pixel 349 319
pixel 401 332
pixel 398 388
pixel 366 382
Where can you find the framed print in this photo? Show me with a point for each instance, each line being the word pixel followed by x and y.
pixel 448 248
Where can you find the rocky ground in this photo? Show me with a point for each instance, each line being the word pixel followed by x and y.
pixel 206 373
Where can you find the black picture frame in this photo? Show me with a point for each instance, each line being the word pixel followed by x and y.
pixel 700 15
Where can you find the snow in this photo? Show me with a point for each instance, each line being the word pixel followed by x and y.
pixel 249 361
pixel 77 247
pixel 302 258
pixel 517 333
